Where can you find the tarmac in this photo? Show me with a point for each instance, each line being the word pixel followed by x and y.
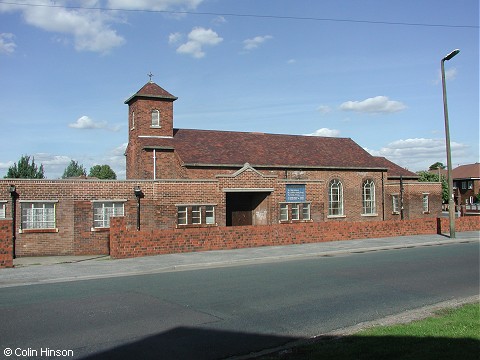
pixel 55 269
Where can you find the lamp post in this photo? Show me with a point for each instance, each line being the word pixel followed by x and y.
pixel 451 202
pixel 138 194
pixel 13 193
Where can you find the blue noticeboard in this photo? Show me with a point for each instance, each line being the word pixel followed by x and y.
pixel 295 193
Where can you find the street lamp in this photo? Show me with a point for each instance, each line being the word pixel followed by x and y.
pixel 138 194
pixel 451 202
pixel 13 193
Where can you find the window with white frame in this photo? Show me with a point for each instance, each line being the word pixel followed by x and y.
pixel 426 207
pixel 102 211
pixel 209 214
pixel 283 212
pixel 294 211
pixel 182 215
pixel 368 196
pixel 395 204
pixel 3 209
pixel 133 121
pixel 195 215
pixel 464 185
pixel 38 215
pixel 335 198
pixel 470 185
pixel 155 118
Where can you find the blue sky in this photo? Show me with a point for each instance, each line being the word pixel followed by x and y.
pixel 367 70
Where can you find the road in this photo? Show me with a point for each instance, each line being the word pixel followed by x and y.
pixel 220 312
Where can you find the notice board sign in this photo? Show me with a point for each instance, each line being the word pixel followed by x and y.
pixel 295 193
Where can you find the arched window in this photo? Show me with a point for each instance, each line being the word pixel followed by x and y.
pixel 155 118
pixel 335 198
pixel 368 195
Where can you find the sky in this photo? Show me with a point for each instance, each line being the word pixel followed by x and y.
pixel 366 70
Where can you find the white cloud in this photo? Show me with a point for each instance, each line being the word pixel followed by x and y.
pixel 325 132
pixel 157 5
pixel 250 44
pixel 7 45
pixel 377 104
pixel 324 109
pixel 291 61
pixel 419 153
pixel 90 29
pixel 84 122
pixel 450 75
pixel 197 39
pixel 6 165
pixel 175 38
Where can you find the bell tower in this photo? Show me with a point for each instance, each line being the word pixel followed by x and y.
pixel 150 117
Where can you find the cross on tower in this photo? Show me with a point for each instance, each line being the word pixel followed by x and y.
pixel 150 76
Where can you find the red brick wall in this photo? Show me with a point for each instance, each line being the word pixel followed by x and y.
pixel 127 242
pixel 6 246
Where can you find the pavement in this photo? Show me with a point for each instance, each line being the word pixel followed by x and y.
pixel 54 269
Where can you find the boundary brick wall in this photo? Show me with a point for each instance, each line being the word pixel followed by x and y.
pixel 127 242
pixel 6 246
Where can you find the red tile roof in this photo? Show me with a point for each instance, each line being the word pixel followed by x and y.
pixel 151 90
pixel 224 148
pixel 395 170
pixel 470 171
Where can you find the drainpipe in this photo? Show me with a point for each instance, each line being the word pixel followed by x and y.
pixel 383 197
pixel 154 164
pixel 401 197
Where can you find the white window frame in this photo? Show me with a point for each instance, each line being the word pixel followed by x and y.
pixel 464 185
pixel 38 215
pixel 470 185
pixel 103 210
pixel 195 214
pixel 133 121
pixel 182 215
pixel 425 203
pixel 395 203
pixel 306 211
pixel 209 214
pixel 155 118
pixel 368 198
pixel 297 211
pixel 335 198
pixel 3 209
pixel 284 212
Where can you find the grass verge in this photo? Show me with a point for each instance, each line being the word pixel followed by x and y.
pixel 449 334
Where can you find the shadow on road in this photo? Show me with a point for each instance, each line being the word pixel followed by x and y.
pixel 206 344
pixel 193 343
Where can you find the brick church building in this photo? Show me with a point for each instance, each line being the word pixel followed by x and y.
pixel 182 178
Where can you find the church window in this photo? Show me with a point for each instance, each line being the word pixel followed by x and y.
pixel 155 118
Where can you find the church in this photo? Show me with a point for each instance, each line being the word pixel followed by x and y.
pixel 265 178
pixel 178 179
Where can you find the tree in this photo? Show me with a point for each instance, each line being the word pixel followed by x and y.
pixel 436 166
pixel 25 170
pixel 73 170
pixel 102 172
pixel 426 176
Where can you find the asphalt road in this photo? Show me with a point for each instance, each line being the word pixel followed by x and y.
pixel 220 312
